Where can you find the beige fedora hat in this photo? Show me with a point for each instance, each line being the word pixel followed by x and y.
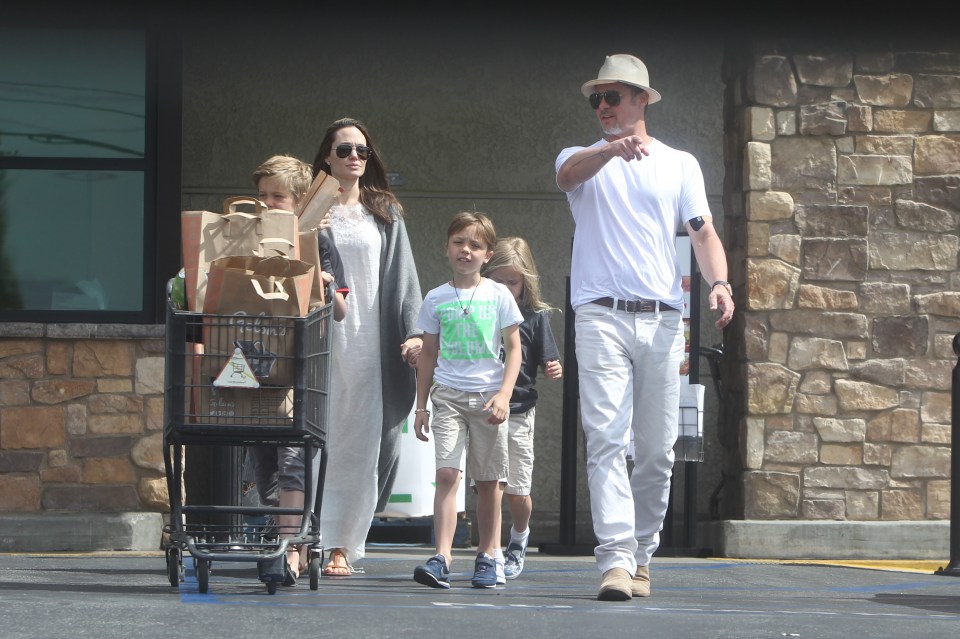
pixel 624 68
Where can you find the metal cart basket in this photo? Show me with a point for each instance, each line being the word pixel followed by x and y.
pixel 216 393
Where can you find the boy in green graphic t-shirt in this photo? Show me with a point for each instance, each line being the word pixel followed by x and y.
pixel 464 323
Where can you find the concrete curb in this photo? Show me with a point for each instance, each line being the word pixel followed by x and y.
pixel 756 539
pixel 740 539
pixel 80 532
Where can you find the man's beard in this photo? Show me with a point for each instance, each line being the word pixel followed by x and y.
pixel 615 130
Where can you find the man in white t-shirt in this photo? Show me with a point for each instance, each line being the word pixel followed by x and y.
pixel 630 194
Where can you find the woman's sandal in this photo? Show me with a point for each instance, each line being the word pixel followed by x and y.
pixel 337 566
pixel 289 573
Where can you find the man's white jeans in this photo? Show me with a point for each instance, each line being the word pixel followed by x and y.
pixel 629 377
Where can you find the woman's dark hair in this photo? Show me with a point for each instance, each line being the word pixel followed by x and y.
pixel 375 192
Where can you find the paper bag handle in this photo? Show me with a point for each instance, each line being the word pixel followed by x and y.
pixel 230 204
pixel 240 215
pixel 274 240
pixel 280 294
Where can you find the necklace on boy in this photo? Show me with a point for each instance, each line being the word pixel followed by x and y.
pixel 466 310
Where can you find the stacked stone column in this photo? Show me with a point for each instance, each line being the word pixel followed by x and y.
pixel 843 187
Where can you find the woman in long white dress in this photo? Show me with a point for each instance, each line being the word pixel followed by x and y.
pixel 375 347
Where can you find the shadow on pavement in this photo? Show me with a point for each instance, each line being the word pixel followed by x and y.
pixel 935 603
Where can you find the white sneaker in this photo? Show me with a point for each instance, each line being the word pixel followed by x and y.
pixel 501 575
pixel 514 560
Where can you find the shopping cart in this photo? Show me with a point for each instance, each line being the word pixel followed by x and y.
pixel 216 395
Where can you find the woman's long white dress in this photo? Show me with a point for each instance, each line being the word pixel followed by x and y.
pixel 356 395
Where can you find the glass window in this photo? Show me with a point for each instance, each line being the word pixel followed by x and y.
pixel 73 242
pixel 73 147
pixel 72 93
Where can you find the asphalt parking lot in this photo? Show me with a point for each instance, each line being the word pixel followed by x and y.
pixel 107 595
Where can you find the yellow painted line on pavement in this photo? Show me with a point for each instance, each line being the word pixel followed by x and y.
pixel 897 565
pixel 923 566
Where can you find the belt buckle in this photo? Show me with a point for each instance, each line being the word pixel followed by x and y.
pixel 639 306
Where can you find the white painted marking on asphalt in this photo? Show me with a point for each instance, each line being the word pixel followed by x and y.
pixel 822 613
pixel 446 604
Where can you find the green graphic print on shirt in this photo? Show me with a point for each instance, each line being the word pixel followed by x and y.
pixel 468 335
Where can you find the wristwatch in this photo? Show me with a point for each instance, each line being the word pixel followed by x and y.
pixel 723 283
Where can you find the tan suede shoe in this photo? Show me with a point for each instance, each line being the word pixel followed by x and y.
pixel 616 585
pixel 641 582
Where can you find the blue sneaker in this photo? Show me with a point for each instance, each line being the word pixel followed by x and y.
pixel 484 572
pixel 513 560
pixel 434 573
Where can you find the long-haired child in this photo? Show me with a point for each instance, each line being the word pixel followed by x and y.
pixel 513 266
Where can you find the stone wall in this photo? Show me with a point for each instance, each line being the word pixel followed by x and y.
pixel 81 419
pixel 842 202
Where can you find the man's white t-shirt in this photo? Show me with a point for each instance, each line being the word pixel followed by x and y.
pixel 470 341
pixel 627 218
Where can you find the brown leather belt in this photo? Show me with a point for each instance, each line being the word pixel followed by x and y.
pixel 634 306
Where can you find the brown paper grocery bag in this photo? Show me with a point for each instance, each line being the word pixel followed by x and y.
pixel 254 299
pixel 317 201
pixel 207 236
pixel 310 253
pixel 259 286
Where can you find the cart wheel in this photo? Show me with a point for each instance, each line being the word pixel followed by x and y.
pixel 174 566
pixel 272 587
pixel 315 572
pixel 203 575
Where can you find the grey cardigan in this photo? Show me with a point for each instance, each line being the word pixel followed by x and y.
pixel 400 300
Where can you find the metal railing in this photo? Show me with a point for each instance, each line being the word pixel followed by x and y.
pixel 953 568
